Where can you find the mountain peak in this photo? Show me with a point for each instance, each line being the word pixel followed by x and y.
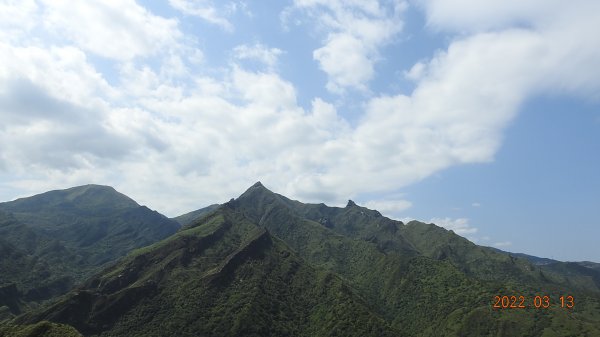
pixel 351 203
pixel 84 197
pixel 97 196
pixel 258 187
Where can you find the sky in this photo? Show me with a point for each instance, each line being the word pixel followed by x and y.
pixel 480 116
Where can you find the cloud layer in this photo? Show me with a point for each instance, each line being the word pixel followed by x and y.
pixel 174 136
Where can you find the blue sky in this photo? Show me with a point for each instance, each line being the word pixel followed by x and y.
pixel 482 117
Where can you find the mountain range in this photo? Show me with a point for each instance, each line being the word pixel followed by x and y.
pixel 265 265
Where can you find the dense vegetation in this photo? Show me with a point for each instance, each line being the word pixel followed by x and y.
pixel 265 265
pixel 40 329
pixel 52 241
pixel 226 277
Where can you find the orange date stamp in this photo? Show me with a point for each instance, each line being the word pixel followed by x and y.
pixel 537 302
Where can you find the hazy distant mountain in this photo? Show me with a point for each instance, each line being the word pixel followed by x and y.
pixel 56 239
pixel 538 261
pixel 553 264
pixel 580 275
pixel 188 218
pixel 265 265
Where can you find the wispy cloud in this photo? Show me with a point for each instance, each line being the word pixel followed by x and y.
pixel 460 226
pixel 258 52
pixel 205 10
pixel 389 207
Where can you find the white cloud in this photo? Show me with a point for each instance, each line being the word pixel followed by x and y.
pixel 476 204
pixel 389 208
pixel 460 226
pixel 204 10
pixel 258 52
pixel 556 39
pixel 17 17
pixel 346 61
pixel 61 72
pixel 475 16
pixel 355 31
pixel 119 30
pixel 416 72
pixel 219 146
pixel 464 99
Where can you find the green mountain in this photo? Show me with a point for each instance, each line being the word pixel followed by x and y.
pixel 54 240
pixel 225 276
pixel 416 275
pixel 34 266
pixel 265 265
pixel 98 221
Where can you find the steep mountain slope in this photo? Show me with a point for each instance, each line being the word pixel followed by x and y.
pixel 223 277
pixel 428 240
pixel 414 238
pixel 416 275
pixel 351 221
pixel 55 240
